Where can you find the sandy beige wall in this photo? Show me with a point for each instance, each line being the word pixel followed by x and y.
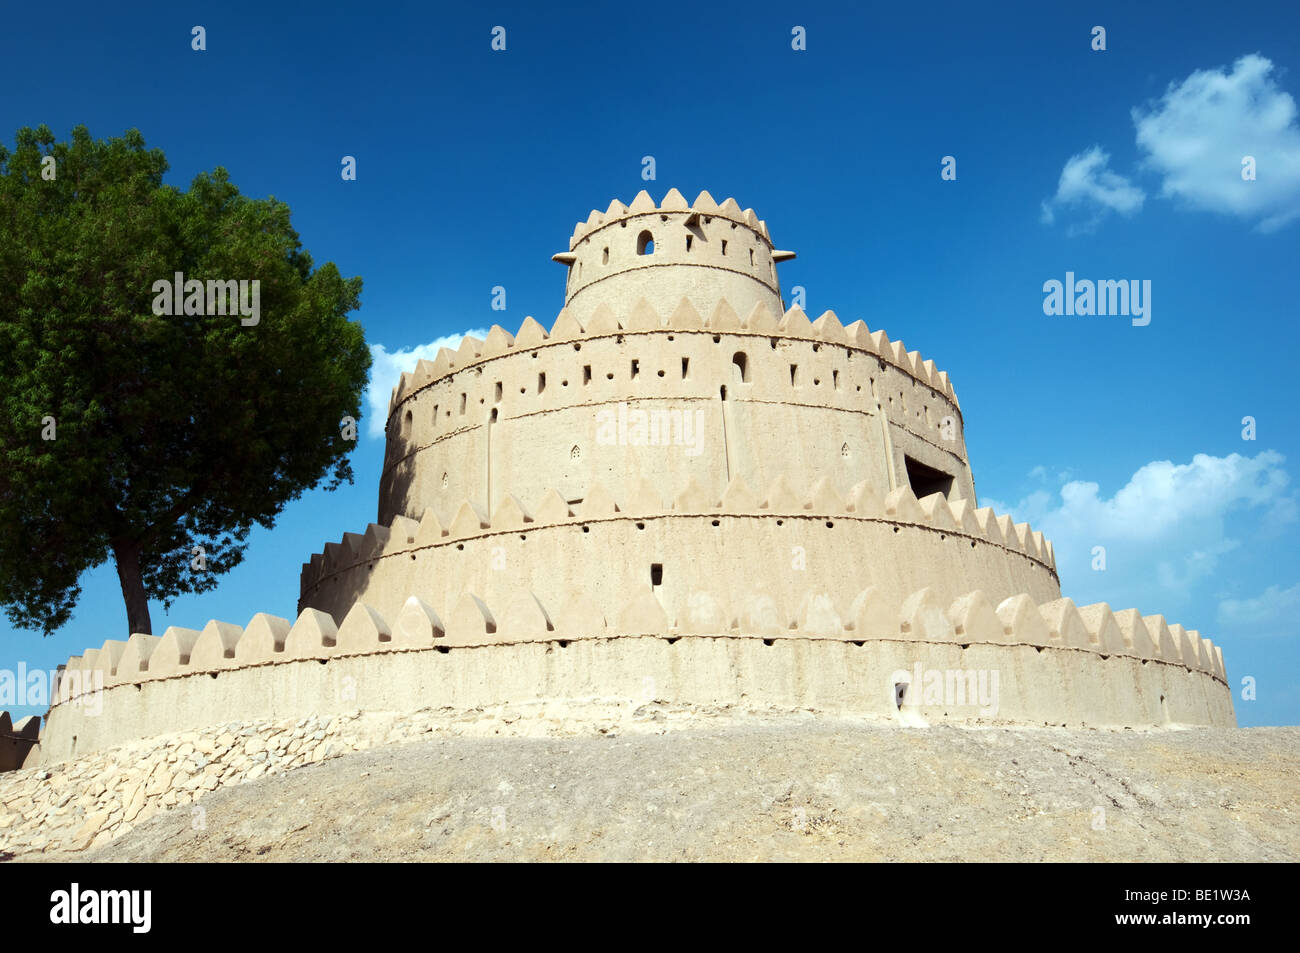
pixel 609 560
pixel 531 419
pixel 1047 686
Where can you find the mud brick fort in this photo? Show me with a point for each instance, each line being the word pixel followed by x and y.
pixel 682 491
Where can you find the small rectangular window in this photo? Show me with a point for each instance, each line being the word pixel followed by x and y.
pixel 586 373
pixel 541 382
pixel 686 367
pixel 636 367
pixel 794 375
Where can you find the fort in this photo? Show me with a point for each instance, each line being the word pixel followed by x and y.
pixel 824 541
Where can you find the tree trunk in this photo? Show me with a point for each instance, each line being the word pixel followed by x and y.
pixel 127 556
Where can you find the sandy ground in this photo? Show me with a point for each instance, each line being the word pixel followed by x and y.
pixel 794 789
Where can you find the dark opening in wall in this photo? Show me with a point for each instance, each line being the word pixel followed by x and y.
pixel 925 480
pixel 496 396
pixel 723 391
pixel 645 244
pixel 494 414
pixel 656 575
pixel 462 404
pixel 435 415
pixel 724 248
pixel 689 239
pixel 406 426
pixel 541 382
pixel 586 373
pixel 636 367
pixel 686 366
pixel 604 257
pixel 741 363
pixel 794 375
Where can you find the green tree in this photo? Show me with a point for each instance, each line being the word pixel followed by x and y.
pixel 169 432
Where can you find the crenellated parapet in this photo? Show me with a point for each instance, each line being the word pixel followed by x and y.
pixel 1056 663
pixel 708 251
pixel 773 541
pixel 520 413
pixel 471 621
pixel 642 318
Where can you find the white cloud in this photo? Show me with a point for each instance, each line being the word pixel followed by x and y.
pixel 387 369
pixel 1272 612
pixel 1164 531
pixel 1197 133
pixel 1087 184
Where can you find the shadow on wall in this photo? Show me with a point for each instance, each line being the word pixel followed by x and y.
pixel 17 741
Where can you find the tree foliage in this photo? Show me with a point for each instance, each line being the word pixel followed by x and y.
pixel 171 432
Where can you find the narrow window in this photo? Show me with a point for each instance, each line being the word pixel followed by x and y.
pixel 835 379
pixel 462 404
pixel 497 393
pixel 724 247
pixel 656 575
pixel 645 244
pixel 751 258
pixel 541 382
pixel 586 373
pixel 689 239
pixel 794 375
pixel 686 366
pixel 636 367
pixel 406 428
pixel 741 365
pixel 604 257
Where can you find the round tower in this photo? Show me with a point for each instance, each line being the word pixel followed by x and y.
pixel 679 484
pixel 673 362
pixel 703 251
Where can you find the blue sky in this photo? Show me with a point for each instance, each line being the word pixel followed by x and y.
pixel 473 167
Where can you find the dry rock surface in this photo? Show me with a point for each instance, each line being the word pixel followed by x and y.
pixel 653 783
